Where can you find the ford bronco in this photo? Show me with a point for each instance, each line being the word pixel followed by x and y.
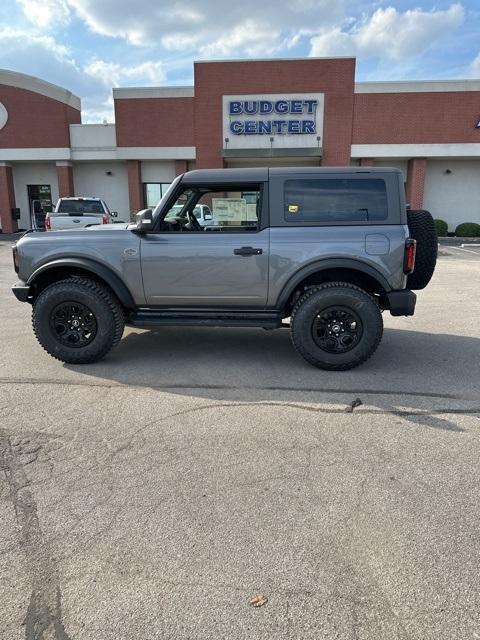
pixel 322 250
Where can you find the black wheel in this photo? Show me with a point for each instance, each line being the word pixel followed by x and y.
pixel 77 320
pixel 336 326
pixel 422 228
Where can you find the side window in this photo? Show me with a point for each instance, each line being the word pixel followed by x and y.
pixel 332 200
pixel 225 209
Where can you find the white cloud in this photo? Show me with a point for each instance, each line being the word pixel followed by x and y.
pixel 389 33
pixel 113 74
pixel 475 67
pixel 45 13
pixel 210 27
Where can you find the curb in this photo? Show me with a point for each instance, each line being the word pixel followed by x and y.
pixel 458 241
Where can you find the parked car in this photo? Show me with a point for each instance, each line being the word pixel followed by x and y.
pixel 328 248
pixel 76 212
pixel 202 212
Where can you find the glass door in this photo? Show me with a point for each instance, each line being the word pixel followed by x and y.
pixel 40 203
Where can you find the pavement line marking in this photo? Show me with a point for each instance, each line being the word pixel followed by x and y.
pixel 475 253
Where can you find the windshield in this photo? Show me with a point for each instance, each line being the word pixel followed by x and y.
pixel 80 206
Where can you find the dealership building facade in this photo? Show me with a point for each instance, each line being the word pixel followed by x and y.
pixel 239 113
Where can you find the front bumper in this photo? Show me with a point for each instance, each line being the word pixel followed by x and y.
pixel 400 303
pixel 21 291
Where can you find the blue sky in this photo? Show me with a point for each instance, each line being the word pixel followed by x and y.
pixel 88 46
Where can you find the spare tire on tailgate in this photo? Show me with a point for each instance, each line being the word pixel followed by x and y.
pixel 422 229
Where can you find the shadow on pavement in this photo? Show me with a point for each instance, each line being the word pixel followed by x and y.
pixel 416 370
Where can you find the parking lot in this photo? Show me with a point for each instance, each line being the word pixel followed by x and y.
pixel 153 494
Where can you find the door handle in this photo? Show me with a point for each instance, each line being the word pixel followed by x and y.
pixel 247 251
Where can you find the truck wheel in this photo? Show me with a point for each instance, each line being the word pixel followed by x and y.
pixel 77 320
pixel 336 326
pixel 422 228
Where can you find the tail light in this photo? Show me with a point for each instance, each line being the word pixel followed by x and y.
pixel 105 219
pixel 48 223
pixel 409 257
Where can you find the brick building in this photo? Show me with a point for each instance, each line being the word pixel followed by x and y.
pixel 239 113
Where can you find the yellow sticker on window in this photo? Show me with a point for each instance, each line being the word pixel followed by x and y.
pixel 293 208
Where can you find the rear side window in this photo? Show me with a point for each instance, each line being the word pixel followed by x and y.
pixel 332 200
pixel 80 206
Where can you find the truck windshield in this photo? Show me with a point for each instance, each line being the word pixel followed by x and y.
pixel 80 206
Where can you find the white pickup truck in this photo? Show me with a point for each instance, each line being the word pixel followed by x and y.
pixel 73 213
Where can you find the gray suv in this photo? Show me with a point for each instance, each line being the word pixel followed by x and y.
pixel 327 248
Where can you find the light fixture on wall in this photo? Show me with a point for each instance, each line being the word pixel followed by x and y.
pixel 109 173
pixel 447 172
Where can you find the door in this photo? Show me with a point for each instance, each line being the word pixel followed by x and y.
pixel 224 264
pixel 40 203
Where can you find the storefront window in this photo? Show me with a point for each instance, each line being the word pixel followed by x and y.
pixel 153 193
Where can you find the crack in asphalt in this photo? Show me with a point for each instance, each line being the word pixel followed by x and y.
pixel 221 387
pixel 43 620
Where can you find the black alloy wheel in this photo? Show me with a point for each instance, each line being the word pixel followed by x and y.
pixel 337 329
pixel 73 324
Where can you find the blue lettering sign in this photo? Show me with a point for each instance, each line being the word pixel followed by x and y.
pixel 294 126
pixel 296 106
pixel 308 126
pixel 281 106
pixel 266 106
pixel 311 104
pixel 235 108
pixel 250 107
pixel 250 127
pixel 236 128
pixel 265 127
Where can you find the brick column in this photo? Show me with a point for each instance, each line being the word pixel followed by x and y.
pixel 65 179
pixel 366 162
pixel 181 166
pixel 417 168
pixel 135 194
pixel 7 199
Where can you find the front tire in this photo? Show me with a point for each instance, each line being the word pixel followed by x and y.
pixel 77 320
pixel 336 326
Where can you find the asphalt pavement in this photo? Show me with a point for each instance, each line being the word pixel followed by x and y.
pixel 154 494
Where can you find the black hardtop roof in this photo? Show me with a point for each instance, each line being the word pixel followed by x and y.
pixel 261 174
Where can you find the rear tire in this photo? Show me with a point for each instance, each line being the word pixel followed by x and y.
pixel 77 320
pixel 336 326
pixel 422 228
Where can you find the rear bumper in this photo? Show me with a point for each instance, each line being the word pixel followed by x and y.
pixel 400 303
pixel 21 291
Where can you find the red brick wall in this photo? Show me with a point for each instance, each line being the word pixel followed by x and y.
pixel 135 193
pixel 35 120
pixel 334 77
pixel 154 122
pixel 417 169
pixel 422 118
pixel 7 200
pixel 65 181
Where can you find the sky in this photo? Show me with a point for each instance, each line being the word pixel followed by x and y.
pixel 90 46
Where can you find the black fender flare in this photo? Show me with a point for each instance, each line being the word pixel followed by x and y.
pixel 104 273
pixel 324 265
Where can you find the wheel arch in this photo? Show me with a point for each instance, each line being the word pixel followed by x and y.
pixel 342 269
pixel 61 268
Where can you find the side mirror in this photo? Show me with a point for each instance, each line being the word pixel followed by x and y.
pixel 114 214
pixel 144 220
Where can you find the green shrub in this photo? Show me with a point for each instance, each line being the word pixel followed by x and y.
pixel 442 228
pixel 468 230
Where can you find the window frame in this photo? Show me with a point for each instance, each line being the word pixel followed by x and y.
pixel 263 213
pixel 277 201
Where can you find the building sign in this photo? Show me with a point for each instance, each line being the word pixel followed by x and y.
pixel 273 121
pixel 3 116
